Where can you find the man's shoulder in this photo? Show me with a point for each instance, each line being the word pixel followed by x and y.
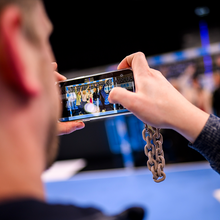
pixel 33 209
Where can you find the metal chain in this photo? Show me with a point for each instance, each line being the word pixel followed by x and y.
pixel 154 152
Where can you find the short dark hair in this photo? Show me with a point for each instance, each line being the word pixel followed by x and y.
pixel 26 6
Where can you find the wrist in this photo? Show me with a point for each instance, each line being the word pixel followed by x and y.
pixel 188 120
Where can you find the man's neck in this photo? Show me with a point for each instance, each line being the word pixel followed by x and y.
pixel 21 158
pixel 19 176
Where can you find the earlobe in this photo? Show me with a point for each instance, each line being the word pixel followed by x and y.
pixel 12 67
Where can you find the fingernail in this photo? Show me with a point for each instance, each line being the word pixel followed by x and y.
pixel 81 126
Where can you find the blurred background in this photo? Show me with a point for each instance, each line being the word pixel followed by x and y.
pixel 92 37
pixel 180 39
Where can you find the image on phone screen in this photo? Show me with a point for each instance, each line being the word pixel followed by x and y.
pixel 87 97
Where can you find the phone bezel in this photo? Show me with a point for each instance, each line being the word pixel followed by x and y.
pixel 97 76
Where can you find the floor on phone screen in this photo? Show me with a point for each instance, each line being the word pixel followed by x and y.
pixel 191 191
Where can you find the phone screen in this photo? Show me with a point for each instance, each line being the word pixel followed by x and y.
pixel 86 98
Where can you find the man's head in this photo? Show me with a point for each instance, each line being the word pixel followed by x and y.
pixel 27 79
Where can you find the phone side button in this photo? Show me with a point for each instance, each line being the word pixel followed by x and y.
pixel 86 120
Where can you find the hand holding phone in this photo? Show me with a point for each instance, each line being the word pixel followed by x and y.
pixel 156 102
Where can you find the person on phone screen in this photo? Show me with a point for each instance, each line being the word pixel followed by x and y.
pixel 84 96
pixel 103 95
pixel 95 96
pixel 78 101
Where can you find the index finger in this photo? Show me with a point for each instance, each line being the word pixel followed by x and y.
pixel 135 61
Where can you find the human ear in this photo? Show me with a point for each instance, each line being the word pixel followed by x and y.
pixel 13 70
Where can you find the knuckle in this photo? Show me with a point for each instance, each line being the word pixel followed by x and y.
pixel 140 55
pixel 154 72
pixel 157 72
pixel 141 59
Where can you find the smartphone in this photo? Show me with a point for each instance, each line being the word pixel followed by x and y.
pixel 86 98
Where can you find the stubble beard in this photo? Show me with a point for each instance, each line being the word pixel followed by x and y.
pixel 52 144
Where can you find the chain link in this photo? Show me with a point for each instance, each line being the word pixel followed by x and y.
pixel 154 151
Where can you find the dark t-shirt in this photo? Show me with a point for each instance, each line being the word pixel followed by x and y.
pixel 31 209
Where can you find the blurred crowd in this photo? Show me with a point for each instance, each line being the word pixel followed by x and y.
pixel 201 89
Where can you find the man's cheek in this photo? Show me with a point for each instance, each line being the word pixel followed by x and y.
pixel 58 101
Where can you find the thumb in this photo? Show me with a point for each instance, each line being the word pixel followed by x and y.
pixel 122 96
pixel 55 66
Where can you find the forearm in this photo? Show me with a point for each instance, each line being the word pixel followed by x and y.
pixel 200 128
pixel 187 119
